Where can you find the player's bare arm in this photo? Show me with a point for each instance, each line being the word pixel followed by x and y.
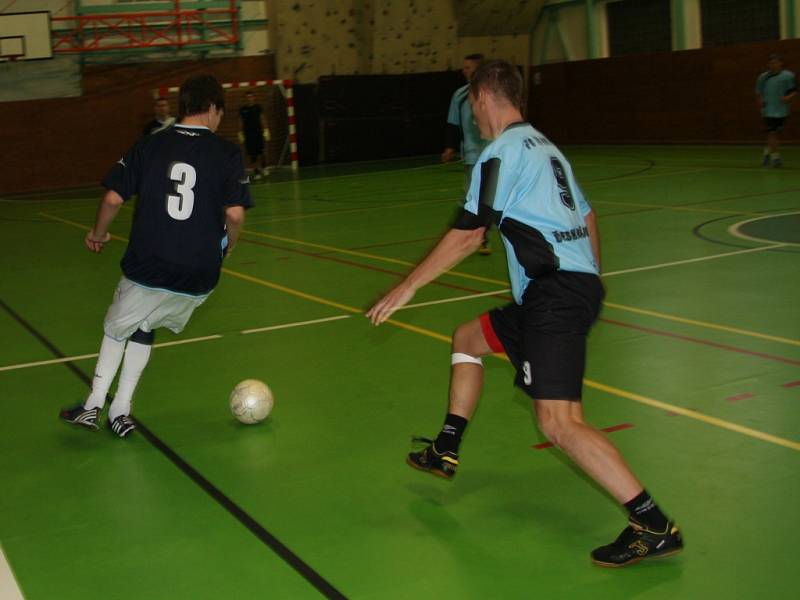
pixel 456 245
pixel 594 237
pixel 107 211
pixel 234 219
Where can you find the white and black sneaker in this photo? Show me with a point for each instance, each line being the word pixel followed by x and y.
pixel 122 425
pixel 81 416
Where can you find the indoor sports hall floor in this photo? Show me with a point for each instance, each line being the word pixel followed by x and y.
pixel 693 369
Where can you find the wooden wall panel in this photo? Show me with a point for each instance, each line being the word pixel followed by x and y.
pixel 693 96
pixel 72 142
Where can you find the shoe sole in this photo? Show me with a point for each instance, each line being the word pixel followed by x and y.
pixel 93 427
pixel 437 472
pixel 636 560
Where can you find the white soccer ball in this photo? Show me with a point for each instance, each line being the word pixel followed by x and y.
pixel 251 401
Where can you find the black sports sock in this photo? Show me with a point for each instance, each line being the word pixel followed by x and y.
pixel 644 510
pixel 450 436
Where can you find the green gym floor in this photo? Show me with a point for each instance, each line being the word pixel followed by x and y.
pixel 693 370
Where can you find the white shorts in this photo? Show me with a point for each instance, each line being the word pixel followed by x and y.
pixel 138 307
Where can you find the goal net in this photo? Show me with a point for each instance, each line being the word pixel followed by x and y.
pixel 276 98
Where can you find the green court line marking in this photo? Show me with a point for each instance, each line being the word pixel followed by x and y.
pixel 693 414
pixel 349 175
pixel 676 208
pixel 735 232
pixel 648 176
pixel 706 324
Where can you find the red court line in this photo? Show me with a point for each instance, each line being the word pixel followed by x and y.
pixel 737 397
pixel 611 429
pixel 791 384
pixel 385 245
pixel 685 338
pixel 702 341
pixel 355 264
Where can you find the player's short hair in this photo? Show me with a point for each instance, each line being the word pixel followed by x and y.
pixel 500 78
pixel 775 56
pixel 198 93
pixel 476 57
pixel 161 99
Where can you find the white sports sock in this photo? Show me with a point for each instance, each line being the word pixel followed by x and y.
pixel 775 155
pixel 136 357
pixel 107 364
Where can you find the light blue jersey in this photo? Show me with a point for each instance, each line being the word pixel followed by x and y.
pixel 772 87
pixel 460 115
pixel 538 207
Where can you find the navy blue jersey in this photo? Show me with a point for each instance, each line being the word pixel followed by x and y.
pixel 184 178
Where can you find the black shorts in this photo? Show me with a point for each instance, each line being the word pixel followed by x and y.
pixel 774 123
pixel 545 336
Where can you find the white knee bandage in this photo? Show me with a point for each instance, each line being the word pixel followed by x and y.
pixel 459 357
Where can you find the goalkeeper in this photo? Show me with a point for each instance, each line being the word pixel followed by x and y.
pixel 253 135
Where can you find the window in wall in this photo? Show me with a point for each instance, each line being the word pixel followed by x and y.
pixel 639 26
pixel 734 21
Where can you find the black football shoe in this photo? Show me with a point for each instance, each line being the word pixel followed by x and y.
pixel 81 416
pixel 442 464
pixel 122 425
pixel 637 542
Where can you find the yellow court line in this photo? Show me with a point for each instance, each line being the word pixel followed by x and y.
pixel 395 261
pixel 706 324
pixel 693 414
pixel 623 307
pixel 347 211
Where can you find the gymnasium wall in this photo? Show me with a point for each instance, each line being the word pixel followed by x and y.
pixel 71 142
pixel 692 96
pixel 316 38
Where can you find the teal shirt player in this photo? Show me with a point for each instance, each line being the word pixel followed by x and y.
pixel 539 209
pixel 772 87
pixel 460 115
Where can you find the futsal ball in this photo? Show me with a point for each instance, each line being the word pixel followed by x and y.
pixel 251 401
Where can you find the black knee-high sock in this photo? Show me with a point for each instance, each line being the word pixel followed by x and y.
pixel 450 436
pixel 644 510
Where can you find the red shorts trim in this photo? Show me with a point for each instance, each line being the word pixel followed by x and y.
pixel 489 335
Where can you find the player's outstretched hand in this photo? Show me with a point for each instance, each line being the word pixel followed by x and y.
pixel 395 299
pixel 96 243
pixel 448 155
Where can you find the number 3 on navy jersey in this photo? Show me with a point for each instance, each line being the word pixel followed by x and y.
pixel 180 205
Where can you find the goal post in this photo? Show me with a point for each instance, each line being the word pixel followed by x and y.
pixel 276 97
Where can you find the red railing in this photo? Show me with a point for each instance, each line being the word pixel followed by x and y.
pixel 146 30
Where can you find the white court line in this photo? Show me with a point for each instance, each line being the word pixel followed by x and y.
pixel 9 588
pixel 456 299
pixel 298 324
pixel 693 260
pixel 735 232
pixel 55 361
